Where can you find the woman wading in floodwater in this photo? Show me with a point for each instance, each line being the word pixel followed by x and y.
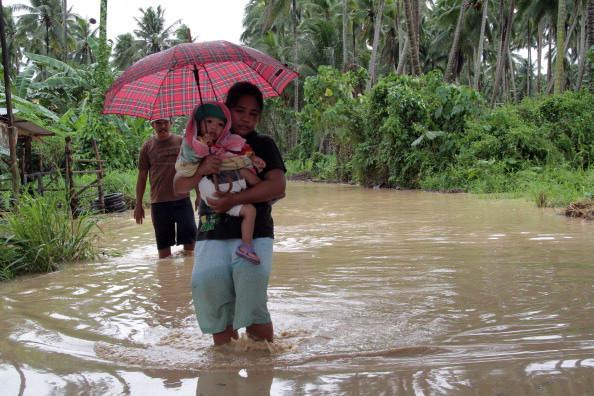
pixel 228 291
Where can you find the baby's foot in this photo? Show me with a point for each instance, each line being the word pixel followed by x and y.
pixel 246 251
pixel 274 200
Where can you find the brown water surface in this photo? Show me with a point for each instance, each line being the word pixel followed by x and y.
pixel 372 292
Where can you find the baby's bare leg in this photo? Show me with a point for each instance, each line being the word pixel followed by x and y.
pixel 250 178
pixel 248 212
pixel 246 249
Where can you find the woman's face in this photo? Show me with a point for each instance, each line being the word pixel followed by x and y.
pixel 245 115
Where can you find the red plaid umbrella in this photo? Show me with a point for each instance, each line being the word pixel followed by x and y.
pixel 173 81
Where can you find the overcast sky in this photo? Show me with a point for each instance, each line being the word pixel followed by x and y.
pixel 207 19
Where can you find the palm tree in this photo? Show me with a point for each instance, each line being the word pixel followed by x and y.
pixel 538 14
pixel 82 35
pixel 182 35
pixel 319 47
pixel 126 51
pixel 583 49
pixel 591 39
pixel 41 27
pixel 454 49
pixel 345 40
pixel 151 32
pixel 477 65
pixel 285 12
pixel 561 16
pixel 412 22
pixel 15 51
pixel 376 33
pixel 505 38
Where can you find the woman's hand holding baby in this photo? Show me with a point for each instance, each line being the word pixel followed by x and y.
pixel 209 165
pixel 258 163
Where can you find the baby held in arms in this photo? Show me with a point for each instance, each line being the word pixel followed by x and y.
pixel 208 133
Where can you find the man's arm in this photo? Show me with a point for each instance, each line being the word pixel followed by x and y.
pixel 140 188
pixel 272 186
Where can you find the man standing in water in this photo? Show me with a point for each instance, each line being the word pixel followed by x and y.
pixel 168 209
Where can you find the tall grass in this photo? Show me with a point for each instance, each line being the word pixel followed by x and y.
pixel 39 235
pixel 549 186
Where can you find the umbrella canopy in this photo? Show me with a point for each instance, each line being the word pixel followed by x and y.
pixel 165 84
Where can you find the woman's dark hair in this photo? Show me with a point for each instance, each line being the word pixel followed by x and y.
pixel 243 88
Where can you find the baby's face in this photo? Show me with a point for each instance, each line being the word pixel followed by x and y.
pixel 211 128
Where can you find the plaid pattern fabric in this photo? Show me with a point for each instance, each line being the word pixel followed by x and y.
pixel 163 84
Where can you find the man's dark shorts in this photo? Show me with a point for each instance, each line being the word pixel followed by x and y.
pixel 166 215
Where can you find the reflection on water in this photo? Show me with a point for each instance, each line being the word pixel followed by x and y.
pixel 372 292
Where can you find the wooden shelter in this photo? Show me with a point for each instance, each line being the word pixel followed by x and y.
pixel 27 131
pixel 28 173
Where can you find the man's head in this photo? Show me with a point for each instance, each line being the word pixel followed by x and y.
pixel 210 120
pixel 162 127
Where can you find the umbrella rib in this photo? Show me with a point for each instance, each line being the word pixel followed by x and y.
pixel 211 85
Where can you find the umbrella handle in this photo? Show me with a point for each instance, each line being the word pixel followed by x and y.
pixel 197 78
pixel 215 179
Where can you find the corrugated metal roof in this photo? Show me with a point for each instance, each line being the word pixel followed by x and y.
pixel 30 128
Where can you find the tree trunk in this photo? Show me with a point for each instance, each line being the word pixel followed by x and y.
pixel 561 48
pixel 345 46
pixel 539 57
pixel 295 66
pixel 503 53
pixel 401 36
pixel 529 66
pixel 583 49
pixel 591 41
pixel 412 37
pixel 404 57
pixel 512 76
pixel 65 29
pixel 454 50
pixel 479 58
pixel 550 55
pixel 561 17
pixel 376 32
pixel 10 130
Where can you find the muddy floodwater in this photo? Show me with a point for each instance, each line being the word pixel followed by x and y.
pixel 373 292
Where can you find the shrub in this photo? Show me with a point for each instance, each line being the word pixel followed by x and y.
pixel 39 235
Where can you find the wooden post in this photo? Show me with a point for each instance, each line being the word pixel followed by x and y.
pixel 69 177
pixel 27 155
pixel 65 30
pixel 99 177
pixel 39 177
pixel 12 133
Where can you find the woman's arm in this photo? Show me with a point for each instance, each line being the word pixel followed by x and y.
pixel 209 165
pixel 272 186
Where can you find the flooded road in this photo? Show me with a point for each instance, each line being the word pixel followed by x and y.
pixel 372 292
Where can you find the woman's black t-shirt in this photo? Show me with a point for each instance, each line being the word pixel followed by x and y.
pixel 223 226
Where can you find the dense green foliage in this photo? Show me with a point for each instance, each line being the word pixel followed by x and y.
pixel 418 132
pixel 39 235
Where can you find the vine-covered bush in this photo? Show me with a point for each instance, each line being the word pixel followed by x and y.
pixel 568 121
pixel 412 127
pixel 329 121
